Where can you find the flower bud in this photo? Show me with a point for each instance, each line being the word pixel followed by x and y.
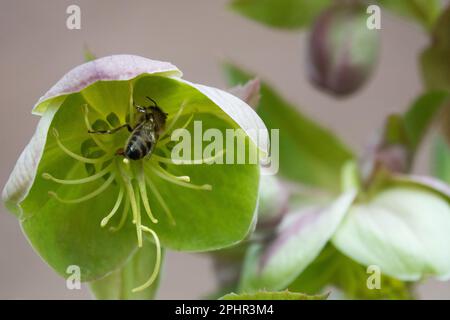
pixel 342 50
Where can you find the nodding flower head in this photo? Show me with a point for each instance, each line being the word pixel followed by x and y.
pixel 99 175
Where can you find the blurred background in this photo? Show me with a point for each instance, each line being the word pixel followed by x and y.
pixel 36 49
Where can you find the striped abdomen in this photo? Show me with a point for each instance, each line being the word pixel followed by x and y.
pixel 141 142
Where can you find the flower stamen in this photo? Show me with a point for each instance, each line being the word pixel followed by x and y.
pixel 133 198
pixel 143 191
pixel 155 272
pixel 105 220
pixel 91 178
pixel 163 174
pixel 160 200
pixel 138 219
pixel 76 156
pixel 124 216
pixel 89 196
pixel 189 162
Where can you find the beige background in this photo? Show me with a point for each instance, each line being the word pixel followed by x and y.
pixel 37 49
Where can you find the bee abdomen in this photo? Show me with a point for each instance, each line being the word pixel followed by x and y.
pixel 138 147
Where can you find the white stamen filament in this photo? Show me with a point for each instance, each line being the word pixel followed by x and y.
pixel 91 178
pixel 76 156
pixel 189 162
pixel 91 195
pixel 138 219
pixel 143 191
pixel 155 273
pixel 160 200
pixel 168 177
pixel 133 201
pixel 126 208
pixel 105 220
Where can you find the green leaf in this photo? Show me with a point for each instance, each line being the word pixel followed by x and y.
pixel 309 154
pixel 434 60
pixel 285 14
pixel 300 237
pixel 332 268
pixel 441 165
pixel 119 284
pixel 277 295
pixel 423 11
pixel 402 229
pixel 421 115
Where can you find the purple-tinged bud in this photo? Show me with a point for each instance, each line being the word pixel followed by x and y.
pixel 342 50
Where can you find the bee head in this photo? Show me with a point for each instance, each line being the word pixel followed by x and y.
pixel 159 116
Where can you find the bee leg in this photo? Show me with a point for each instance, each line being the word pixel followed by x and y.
pixel 120 152
pixel 112 130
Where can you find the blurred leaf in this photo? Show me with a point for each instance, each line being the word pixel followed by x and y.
pixel 403 230
pixel 423 11
pixel 442 159
pixel 309 154
pixel 119 284
pixel 275 295
pixel 332 268
pixel 300 237
pixel 88 54
pixel 435 59
pixel 394 148
pixel 421 115
pixel 286 14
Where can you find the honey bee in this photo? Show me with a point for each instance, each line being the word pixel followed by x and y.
pixel 150 123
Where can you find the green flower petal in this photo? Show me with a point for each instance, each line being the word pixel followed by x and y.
pixel 300 238
pixel 403 230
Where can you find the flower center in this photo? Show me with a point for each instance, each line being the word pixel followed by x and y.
pixel 132 180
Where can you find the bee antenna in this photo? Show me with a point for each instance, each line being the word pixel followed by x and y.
pixel 154 102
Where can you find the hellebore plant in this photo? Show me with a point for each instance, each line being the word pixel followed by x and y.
pixel 81 203
pixel 315 232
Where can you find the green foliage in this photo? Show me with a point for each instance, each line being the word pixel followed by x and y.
pixel 434 60
pixel 275 295
pixel 441 166
pixel 285 14
pixel 423 11
pixel 422 114
pixel 309 154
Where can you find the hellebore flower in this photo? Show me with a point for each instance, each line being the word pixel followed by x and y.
pixel 80 202
pixel 342 51
pixel 401 226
